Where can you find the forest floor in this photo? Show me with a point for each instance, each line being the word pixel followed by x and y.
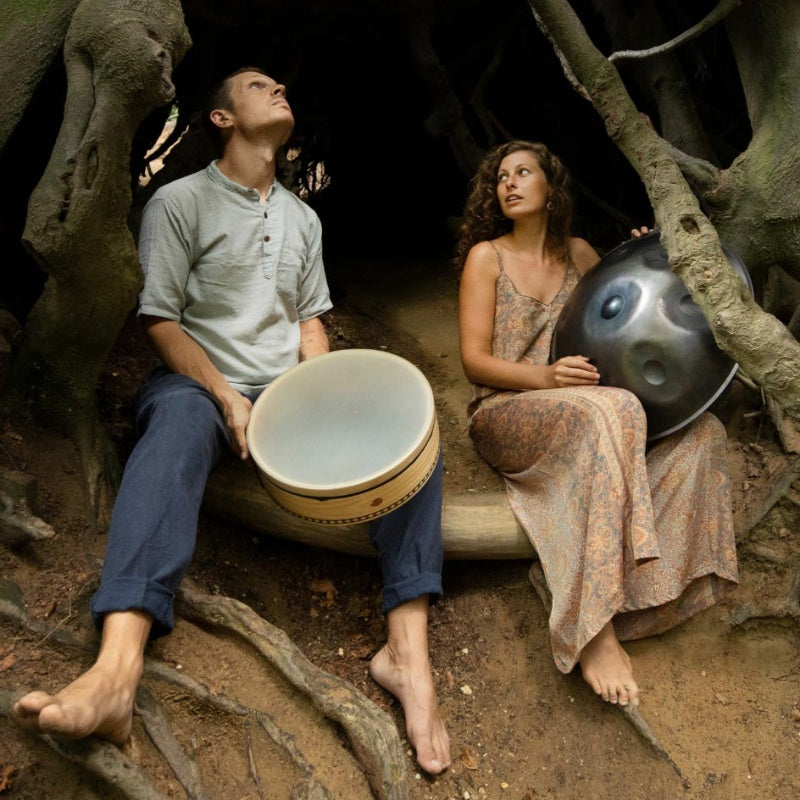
pixel 723 699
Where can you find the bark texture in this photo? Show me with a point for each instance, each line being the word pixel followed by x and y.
pixel 31 34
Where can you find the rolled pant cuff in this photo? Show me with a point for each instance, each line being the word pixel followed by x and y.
pixel 135 594
pixel 429 583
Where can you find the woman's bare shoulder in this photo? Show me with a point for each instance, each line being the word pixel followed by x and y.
pixel 584 256
pixel 482 259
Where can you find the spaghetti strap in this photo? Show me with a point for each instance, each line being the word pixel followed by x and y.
pixel 499 257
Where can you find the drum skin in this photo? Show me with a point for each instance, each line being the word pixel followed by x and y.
pixel 633 317
pixel 346 436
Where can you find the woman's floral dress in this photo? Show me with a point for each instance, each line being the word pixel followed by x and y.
pixel 643 536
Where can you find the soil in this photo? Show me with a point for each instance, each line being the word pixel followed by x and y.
pixel 723 698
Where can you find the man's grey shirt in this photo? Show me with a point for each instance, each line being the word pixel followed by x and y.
pixel 238 275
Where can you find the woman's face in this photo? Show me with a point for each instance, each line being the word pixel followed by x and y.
pixel 522 187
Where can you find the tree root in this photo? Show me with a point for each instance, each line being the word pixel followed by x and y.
pixel 160 733
pixel 631 712
pixel 100 758
pixel 634 715
pixel 778 608
pixel 160 671
pixel 18 523
pixel 371 731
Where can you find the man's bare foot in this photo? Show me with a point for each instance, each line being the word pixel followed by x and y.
pixel 100 702
pixel 97 703
pixel 607 668
pixel 411 682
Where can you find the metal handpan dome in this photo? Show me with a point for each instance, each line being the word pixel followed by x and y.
pixel 636 321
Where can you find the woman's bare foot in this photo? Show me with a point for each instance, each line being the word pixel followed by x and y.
pixel 607 668
pixel 411 682
pixel 94 704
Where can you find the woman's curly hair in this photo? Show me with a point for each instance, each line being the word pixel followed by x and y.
pixel 483 218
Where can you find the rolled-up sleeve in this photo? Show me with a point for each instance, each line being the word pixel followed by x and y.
pixel 165 258
pixel 314 297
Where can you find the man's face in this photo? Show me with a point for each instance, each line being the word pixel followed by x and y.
pixel 259 102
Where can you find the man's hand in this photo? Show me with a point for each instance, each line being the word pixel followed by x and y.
pixel 236 412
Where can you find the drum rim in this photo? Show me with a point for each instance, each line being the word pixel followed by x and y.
pixel 386 473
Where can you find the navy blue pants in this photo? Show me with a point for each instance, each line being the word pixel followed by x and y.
pixel 153 528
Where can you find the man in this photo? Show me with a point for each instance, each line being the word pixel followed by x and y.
pixel 234 288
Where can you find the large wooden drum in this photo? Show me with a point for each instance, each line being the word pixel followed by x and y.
pixel 345 437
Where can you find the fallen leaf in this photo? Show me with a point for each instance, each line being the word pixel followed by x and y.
pixel 8 661
pixel 451 681
pixel 468 758
pixel 6 774
pixel 324 586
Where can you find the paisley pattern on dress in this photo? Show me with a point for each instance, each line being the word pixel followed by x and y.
pixel 643 536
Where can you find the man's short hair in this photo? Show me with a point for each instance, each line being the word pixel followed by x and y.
pixel 219 96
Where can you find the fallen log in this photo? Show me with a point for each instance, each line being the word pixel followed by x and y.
pixel 474 527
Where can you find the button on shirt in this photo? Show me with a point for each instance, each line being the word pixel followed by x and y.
pixel 238 275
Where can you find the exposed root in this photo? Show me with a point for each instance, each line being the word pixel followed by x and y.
pixel 160 671
pixel 778 608
pixel 634 715
pixel 100 758
pixel 372 733
pixel 159 731
pixel 308 789
pixel 18 523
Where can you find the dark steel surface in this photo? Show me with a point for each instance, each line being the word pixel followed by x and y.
pixel 635 319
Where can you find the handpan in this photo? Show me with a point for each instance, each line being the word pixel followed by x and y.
pixel 345 437
pixel 633 317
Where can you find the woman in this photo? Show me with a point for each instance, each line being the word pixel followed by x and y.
pixel 631 543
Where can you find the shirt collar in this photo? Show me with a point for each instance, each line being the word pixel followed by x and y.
pixel 215 176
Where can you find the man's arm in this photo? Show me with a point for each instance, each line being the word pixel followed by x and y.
pixel 313 339
pixel 183 355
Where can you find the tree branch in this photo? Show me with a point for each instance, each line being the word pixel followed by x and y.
pixel 763 347
pixel 712 18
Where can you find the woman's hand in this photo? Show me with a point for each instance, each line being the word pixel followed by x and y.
pixel 573 371
pixel 637 233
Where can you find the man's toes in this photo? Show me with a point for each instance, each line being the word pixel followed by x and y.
pixel 31 704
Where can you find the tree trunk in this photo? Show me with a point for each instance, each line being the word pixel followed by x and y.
pixel 31 34
pixel 77 217
pixel 763 346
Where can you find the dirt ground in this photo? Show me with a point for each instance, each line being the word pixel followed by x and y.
pixel 723 698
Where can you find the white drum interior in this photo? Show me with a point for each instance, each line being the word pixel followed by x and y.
pixel 340 420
